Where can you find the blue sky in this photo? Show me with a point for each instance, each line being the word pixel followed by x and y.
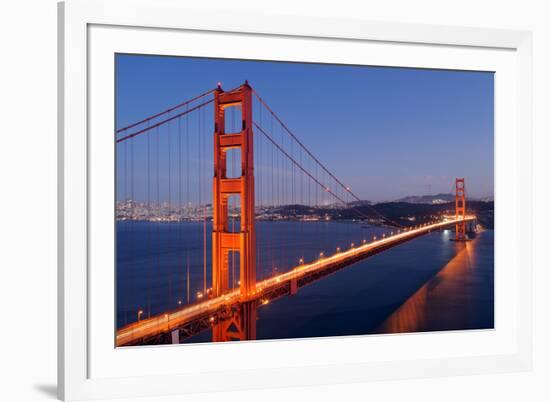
pixel 387 132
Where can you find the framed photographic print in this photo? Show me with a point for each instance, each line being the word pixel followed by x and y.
pixel 255 201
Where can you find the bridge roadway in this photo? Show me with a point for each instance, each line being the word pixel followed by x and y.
pixel 198 317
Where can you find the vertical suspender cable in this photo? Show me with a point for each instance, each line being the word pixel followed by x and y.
pixel 199 204
pixel 203 211
pixel 169 217
pixel 180 221
pixel 187 202
pixel 149 220
pixel 158 208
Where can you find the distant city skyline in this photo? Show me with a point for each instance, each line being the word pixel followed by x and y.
pixel 389 133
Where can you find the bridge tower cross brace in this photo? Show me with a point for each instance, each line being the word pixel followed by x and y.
pixel 223 240
pixel 460 208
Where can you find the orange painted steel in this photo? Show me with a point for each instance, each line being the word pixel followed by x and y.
pixel 239 326
pixel 223 240
pixel 460 208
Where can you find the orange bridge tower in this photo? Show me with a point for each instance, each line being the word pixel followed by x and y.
pixel 242 241
pixel 242 324
pixel 460 208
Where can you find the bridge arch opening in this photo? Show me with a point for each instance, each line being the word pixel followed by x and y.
pixel 233 157
pixel 233 119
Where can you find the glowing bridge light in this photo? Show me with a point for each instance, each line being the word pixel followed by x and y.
pixel 301 261
pixel 337 249
pixel 364 241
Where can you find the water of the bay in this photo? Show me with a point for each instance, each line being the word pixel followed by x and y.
pixel 429 283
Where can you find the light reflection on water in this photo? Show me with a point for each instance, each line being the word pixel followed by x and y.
pixel 453 299
pixel 358 299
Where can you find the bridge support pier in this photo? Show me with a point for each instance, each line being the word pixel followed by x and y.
pixel 240 327
pixel 293 286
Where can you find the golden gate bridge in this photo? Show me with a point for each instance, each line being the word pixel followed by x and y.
pixel 261 171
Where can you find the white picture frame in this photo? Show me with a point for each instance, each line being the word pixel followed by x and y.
pixel 89 369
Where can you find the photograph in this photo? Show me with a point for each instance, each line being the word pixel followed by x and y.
pixel 268 200
pixel 285 201
pixel 275 201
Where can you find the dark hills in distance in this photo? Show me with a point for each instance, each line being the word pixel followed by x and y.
pixel 403 212
pixel 437 199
